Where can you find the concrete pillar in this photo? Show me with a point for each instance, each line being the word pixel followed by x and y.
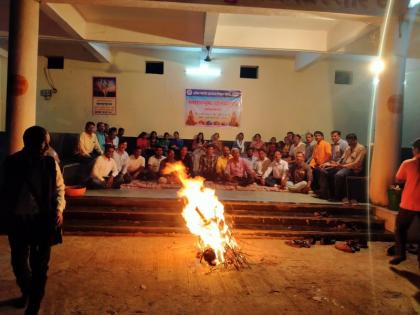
pixel 22 70
pixel 389 102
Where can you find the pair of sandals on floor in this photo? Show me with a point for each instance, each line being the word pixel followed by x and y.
pixel 350 246
pixel 302 243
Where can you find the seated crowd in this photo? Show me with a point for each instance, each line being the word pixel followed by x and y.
pixel 293 164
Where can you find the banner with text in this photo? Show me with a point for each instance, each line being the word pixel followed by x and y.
pixel 213 108
pixel 104 96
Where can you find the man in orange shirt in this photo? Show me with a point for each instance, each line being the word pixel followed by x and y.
pixel 408 173
pixel 321 155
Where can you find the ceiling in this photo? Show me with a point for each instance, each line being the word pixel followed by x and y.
pixel 81 30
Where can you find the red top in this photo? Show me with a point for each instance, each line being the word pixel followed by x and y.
pixel 409 173
pixel 143 143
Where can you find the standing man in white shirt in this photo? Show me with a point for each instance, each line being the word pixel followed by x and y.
pixel 121 157
pixel 136 164
pixel 89 147
pixel 277 173
pixel 104 173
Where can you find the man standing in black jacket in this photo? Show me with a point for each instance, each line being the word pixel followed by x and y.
pixel 33 190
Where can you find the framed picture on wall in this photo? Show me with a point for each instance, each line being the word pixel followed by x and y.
pixel 104 95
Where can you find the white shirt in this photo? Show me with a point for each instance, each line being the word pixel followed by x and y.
pixel 134 164
pixel 103 166
pixel 260 165
pixel 154 163
pixel 240 145
pixel 121 159
pixel 88 143
pixel 116 141
pixel 300 147
pixel 251 161
pixel 279 169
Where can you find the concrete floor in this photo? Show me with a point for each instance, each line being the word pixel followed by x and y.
pixel 225 195
pixel 160 275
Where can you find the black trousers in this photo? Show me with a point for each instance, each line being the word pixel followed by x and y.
pixel 30 256
pixel 404 219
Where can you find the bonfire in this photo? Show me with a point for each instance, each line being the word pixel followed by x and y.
pixel 204 217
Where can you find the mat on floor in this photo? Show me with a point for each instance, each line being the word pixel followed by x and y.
pixel 137 184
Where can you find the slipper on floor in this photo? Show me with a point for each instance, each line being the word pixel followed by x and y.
pixel 298 243
pixel 344 247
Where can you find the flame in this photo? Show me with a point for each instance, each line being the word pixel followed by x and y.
pixel 203 213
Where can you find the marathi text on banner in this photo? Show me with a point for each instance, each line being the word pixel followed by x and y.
pixel 213 108
pixel 104 92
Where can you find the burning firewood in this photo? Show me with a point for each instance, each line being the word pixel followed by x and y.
pixel 204 217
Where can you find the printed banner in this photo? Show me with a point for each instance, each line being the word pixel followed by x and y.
pixel 104 92
pixel 213 108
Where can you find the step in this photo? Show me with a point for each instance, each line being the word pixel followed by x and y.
pixel 176 218
pixel 174 204
pixel 242 225
pixel 178 211
pixel 256 209
pixel 138 230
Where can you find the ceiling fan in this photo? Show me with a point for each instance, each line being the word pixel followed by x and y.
pixel 208 58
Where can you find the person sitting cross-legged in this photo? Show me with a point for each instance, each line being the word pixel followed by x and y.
pixel 332 177
pixel 207 167
pixel 222 162
pixel 276 173
pixel 186 159
pixel 251 157
pixel 104 173
pixel 261 165
pixel 176 143
pixel 112 137
pixel 153 164
pixel 121 158
pixel 300 175
pixel 238 171
pixel 136 164
pixel 295 148
pixel 167 178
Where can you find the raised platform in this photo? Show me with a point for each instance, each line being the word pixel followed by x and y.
pixel 261 214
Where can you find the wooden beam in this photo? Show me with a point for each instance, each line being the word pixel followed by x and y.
pixel 304 60
pixel 210 28
pixel 346 32
pixel 353 7
pixel 75 25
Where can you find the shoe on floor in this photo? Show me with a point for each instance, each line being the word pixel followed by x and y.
pixel 299 243
pixel 397 260
pixel 20 302
pixel 344 247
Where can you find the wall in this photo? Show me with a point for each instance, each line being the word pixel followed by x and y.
pixel 280 100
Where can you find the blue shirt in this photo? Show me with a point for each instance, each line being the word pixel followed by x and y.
pixel 338 149
pixel 101 139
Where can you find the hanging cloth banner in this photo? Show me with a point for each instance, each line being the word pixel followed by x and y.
pixel 213 108
pixel 104 96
